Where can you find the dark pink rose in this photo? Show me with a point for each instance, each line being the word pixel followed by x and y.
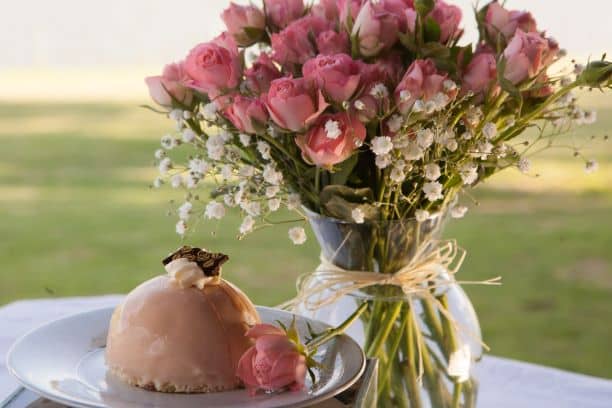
pixel 499 20
pixel 398 8
pixel 332 139
pixel 377 82
pixel 260 74
pixel 281 13
pixel 349 9
pixel 170 86
pixel 293 45
pixel 293 104
pixel 214 67
pixel 421 81
pixel 480 73
pixel 273 363
pixel 375 29
pixel 326 9
pixel 336 75
pixel 330 42
pixel 448 18
pixel 527 54
pixel 238 18
pixel 249 115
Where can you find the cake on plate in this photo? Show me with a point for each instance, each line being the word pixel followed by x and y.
pixel 183 331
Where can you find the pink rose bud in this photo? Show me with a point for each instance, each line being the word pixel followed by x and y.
pixel 169 87
pixel 273 363
pixel 421 81
pixel 375 29
pixel 527 54
pixel 498 20
pixel 249 115
pixel 293 104
pixel 480 74
pixel 330 42
pixel 332 139
pixel 214 67
pixel 348 9
pixel 262 72
pixel 293 45
pixel 336 75
pixel 326 9
pixel 282 12
pixel 245 23
pixel 448 18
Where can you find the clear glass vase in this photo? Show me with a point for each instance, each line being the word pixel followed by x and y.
pixel 425 360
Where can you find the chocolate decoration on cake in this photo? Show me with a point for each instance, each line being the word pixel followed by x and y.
pixel 209 262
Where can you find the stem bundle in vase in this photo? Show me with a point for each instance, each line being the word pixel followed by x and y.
pixel 375 116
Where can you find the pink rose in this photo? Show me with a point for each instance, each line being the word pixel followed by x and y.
pixel 239 18
pixel 170 86
pixel 282 12
pixel 527 54
pixel 349 9
pixel 262 72
pixel 293 45
pixel 375 29
pixel 398 8
pixel 480 73
pixel 421 81
pixel 247 114
pixel 330 42
pixel 294 103
pixel 326 9
pixel 499 20
pixel 332 139
pixel 214 67
pixel 448 18
pixel 273 363
pixel 376 78
pixel 336 75
pixel 542 88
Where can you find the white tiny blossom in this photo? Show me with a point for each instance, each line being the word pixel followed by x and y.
pixel 421 215
pixel 214 210
pixel 397 175
pixel 578 69
pixel 157 182
pixel 401 141
pixel 467 135
pixel 164 165
pixel 483 149
pixel 424 138
pixel 430 107
pixel 272 191
pixel 247 225
pixel 209 111
pixel 379 91
pixel 382 145
pixel 451 145
pixel 346 105
pixel 253 208
pixel 271 175
pixel 440 100
pixel 168 142
pixel 181 227
pixel 458 211
pixel 359 105
pixel 176 181
pixel 590 117
pixel 264 150
pixel 189 135
pixel 184 211
pixel 432 171
pixel 591 166
pixel 565 81
pixel 332 129
pixel 274 204
pixel 413 152
pixel 489 130
pixel 199 166
pixel 226 172
pixel 441 137
pixel 176 114
pixel 297 235
pixel 225 135
pixel 418 106
pixel 246 171
pixel 293 201
pixel 358 215
pixel 449 85
pixel 395 123
pixel 523 165
pixel 272 132
pixel 244 139
pixel 468 173
pixel 215 147
pixel 187 115
pixel 228 199
pixel 405 95
pixel 191 181
pixel 382 161
pixel 473 115
pixel 433 190
pixel 160 154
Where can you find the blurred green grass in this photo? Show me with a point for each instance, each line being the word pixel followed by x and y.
pixel 77 218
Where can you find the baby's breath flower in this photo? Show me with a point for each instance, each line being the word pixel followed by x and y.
pixel 489 130
pixel 198 166
pixel 432 171
pixel 158 182
pixel 264 150
pixel 214 210
pixel 397 175
pixel 165 165
pixel 226 172
pixel 228 199
pixel 379 91
pixel 458 211
pixel 215 147
pixel 451 145
pixel 449 85
pixel 467 135
pixel 293 201
pixel 272 191
pixel 244 139
pixel 578 69
pixel 176 114
pixel 418 106
pixel 440 100
pixel 297 235
pixel 191 181
pixel 188 135
pixel 421 215
pixel 565 81
pixel 430 107
pixel 473 115
pixel 181 227
pixel 590 117
pixel 413 152
pixel 382 161
pixel 382 145
pixel 332 129
pixel 247 225
pixel 523 165
pixel 405 95
pixel 160 154
pixel 187 115
pixel 209 111
pixel 483 149
pixel 271 175
pixel 176 181
pixel 246 171
pixel 253 208
pixel 468 173
pixel 424 138
pixel 591 166
pixel 274 204
pixel 358 215
pixel 433 190
pixel 272 132
pixel 359 105
pixel 395 123
pixel 168 142
pixel 184 211
pixel 225 135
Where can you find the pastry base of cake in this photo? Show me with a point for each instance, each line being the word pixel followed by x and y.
pixel 167 387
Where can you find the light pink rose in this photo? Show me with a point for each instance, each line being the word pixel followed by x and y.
pixel 293 104
pixel 214 67
pixel 421 81
pixel 321 149
pixel 527 54
pixel 281 13
pixel 375 29
pixel 260 74
pixel 330 42
pixel 398 8
pixel 499 20
pixel 238 18
pixel 170 85
pixel 480 74
pixel 383 73
pixel 249 115
pixel 326 9
pixel 273 363
pixel 336 75
pixel 448 18
pixel 293 45
pixel 349 9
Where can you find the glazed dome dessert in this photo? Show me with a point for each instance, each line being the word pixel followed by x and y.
pixel 182 332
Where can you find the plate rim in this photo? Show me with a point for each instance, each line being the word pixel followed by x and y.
pixel 82 404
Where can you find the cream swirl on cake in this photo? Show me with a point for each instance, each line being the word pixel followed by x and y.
pixel 184 331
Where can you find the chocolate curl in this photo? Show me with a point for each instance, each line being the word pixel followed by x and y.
pixel 209 262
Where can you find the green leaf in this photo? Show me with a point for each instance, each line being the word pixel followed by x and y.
pixel 339 201
pixel 424 7
pixel 431 29
pixel 435 49
pixel 408 41
pixel 253 33
pixel 343 170
pixel 151 108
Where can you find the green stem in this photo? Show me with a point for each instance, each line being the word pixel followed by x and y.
pixel 376 346
pixel 457 395
pixel 331 333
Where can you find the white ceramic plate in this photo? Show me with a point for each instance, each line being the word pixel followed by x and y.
pixel 64 361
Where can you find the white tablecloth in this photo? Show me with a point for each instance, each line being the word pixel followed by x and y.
pixel 504 383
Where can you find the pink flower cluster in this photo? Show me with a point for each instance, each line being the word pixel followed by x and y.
pixel 334 68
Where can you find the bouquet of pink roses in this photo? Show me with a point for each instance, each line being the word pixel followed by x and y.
pixel 368 112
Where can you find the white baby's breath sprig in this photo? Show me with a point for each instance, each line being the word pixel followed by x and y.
pixel 297 235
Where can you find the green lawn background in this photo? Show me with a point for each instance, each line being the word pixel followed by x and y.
pixel 77 218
